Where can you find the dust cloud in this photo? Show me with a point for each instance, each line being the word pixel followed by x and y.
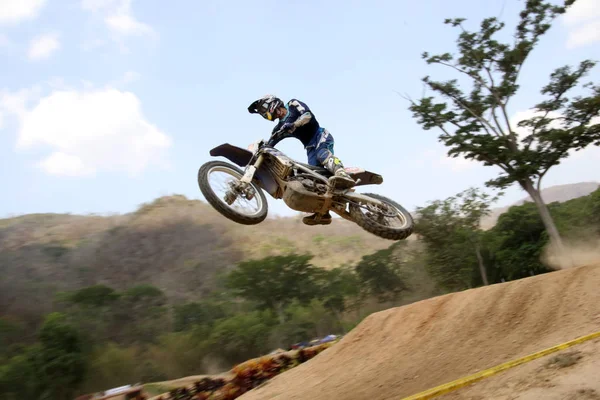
pixel 575 253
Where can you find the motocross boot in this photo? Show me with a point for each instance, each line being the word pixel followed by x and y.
pixel 315 220
pixel 340 178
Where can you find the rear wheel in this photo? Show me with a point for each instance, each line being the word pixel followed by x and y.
pixel 390 221
pixel 247 206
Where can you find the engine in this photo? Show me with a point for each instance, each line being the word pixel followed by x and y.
pixel 278 167
pixel 304 194
pixel 308 184
pixel 311 184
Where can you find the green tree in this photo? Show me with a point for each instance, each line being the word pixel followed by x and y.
pixel 274 282
pixel 18 376
pixel 12 334
pixel 595 210
pixel 111 365
pixel 60 363
pixel 378 274
pixel 51 369
pixel 243 336
pixel 145 294
pixel 580 217
pixel 516 243
pixel 305 322
pixel 451 229
pixel 141 315
pixel 340 286
pixel 94 296
pixel 93 310
pixel 181 353
pixel 477 125
pixel 187 315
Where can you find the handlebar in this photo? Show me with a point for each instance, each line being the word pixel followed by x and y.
pixel 277 132
pixel 263 142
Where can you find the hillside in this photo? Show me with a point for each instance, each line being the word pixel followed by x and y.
pixel 176 244
pixel 402 351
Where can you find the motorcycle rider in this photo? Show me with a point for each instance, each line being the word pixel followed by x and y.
pixel 298 121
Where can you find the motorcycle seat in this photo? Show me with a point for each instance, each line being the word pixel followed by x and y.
pixel 317 169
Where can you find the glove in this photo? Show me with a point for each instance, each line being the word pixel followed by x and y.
pixel 289 127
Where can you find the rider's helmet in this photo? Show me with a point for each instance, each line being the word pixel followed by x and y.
pixel 266 106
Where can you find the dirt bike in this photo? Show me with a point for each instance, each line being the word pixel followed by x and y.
pixel 302 187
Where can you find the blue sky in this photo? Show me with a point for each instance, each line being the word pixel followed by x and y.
pixel 107 104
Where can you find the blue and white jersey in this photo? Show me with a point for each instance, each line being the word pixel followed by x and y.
pixel 306 131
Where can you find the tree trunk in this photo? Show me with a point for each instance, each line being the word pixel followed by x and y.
pixel 280 312
pixel 481 265
pixel 555 239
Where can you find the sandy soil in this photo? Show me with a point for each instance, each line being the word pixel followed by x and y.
pixel 398 352
pixel 571 374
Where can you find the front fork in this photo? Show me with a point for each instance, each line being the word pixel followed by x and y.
pixel 251 169
pixel 243 185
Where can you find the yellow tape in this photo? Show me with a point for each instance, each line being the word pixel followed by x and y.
pixel 459 383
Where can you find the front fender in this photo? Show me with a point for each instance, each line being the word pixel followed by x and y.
pixel 242 157
pixel 235 154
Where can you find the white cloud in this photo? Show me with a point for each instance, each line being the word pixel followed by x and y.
pixel 583 23
pixel 118 17
pixel 13 11
pixel 125 24
pixel 584 35
pixel 582 11
pixel 16 103
pixel 88 131
pixel 59 163
pixel 43 46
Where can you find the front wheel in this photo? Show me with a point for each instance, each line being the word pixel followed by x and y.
pixel 247 206
pixel 391 221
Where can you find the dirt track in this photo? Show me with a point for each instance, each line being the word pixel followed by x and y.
pixel 405 350
pixel 548 378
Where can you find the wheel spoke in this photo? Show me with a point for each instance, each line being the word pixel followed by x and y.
pixel 241 203
pixel 389 217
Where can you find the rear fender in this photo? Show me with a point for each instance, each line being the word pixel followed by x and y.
pixel 361 198
pixel 366 177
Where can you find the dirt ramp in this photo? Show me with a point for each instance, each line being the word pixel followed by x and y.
pixel 405 350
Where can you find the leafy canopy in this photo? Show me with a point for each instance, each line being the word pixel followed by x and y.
pixel 274 282
pixel 476 124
